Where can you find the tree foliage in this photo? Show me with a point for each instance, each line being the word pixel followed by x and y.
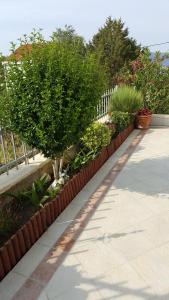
pixel 114 47
pixel 4 116
pixel 54 91
pixel 69 35
pixel 151 78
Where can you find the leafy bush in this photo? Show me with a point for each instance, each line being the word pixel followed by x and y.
pixel 121 120
pixel 126 99
pixel 81 159
pixel 53 93
pixel 96 137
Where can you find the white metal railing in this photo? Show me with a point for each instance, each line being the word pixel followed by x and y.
pixel 13 151
pixel 103 107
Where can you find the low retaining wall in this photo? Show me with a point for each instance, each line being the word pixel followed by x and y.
pixel 160 120
pixel 22 178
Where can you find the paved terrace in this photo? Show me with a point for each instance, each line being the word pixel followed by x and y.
pixel 112 241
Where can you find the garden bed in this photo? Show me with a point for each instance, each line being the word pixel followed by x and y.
pixel 21 241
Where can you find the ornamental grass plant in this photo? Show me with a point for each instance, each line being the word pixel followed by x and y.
pixel 126 99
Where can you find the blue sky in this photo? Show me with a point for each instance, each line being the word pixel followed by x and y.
pixel 147 20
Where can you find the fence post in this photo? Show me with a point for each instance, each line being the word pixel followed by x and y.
pixel 4 150
pixel 14 149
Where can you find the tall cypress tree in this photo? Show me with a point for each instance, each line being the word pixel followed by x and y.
pixel 114 47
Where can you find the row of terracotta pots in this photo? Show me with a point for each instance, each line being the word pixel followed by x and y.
pixel 25 237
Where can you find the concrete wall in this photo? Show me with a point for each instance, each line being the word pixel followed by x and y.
pixel 160 120
pixel 20 179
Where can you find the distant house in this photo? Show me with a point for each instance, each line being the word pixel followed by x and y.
pixel 20 51
pixel 18 54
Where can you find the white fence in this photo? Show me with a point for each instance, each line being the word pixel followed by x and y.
pixel 13 151
pixel 103 106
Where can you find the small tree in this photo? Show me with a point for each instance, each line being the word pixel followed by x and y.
pixel 54 91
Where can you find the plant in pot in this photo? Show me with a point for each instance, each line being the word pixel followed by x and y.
pixel 143 118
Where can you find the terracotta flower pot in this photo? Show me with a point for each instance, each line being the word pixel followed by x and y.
pixel 143 122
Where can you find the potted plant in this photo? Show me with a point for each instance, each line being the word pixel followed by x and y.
pixel 143 118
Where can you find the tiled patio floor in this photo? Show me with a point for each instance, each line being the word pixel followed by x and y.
pixel 112 241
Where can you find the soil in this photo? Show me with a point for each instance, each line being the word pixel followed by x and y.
pixel 14 215
pixel 15 219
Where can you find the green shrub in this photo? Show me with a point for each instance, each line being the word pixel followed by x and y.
pixel 121 120
pixel 81 159
pixel 96 137
pixel 126 99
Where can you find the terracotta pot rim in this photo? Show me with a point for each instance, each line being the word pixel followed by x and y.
pixel 144 116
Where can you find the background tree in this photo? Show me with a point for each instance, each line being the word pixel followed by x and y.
pixel 54 91
pixel 4 116
pixel 114 48
pixel 69 35
pixel 151 78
